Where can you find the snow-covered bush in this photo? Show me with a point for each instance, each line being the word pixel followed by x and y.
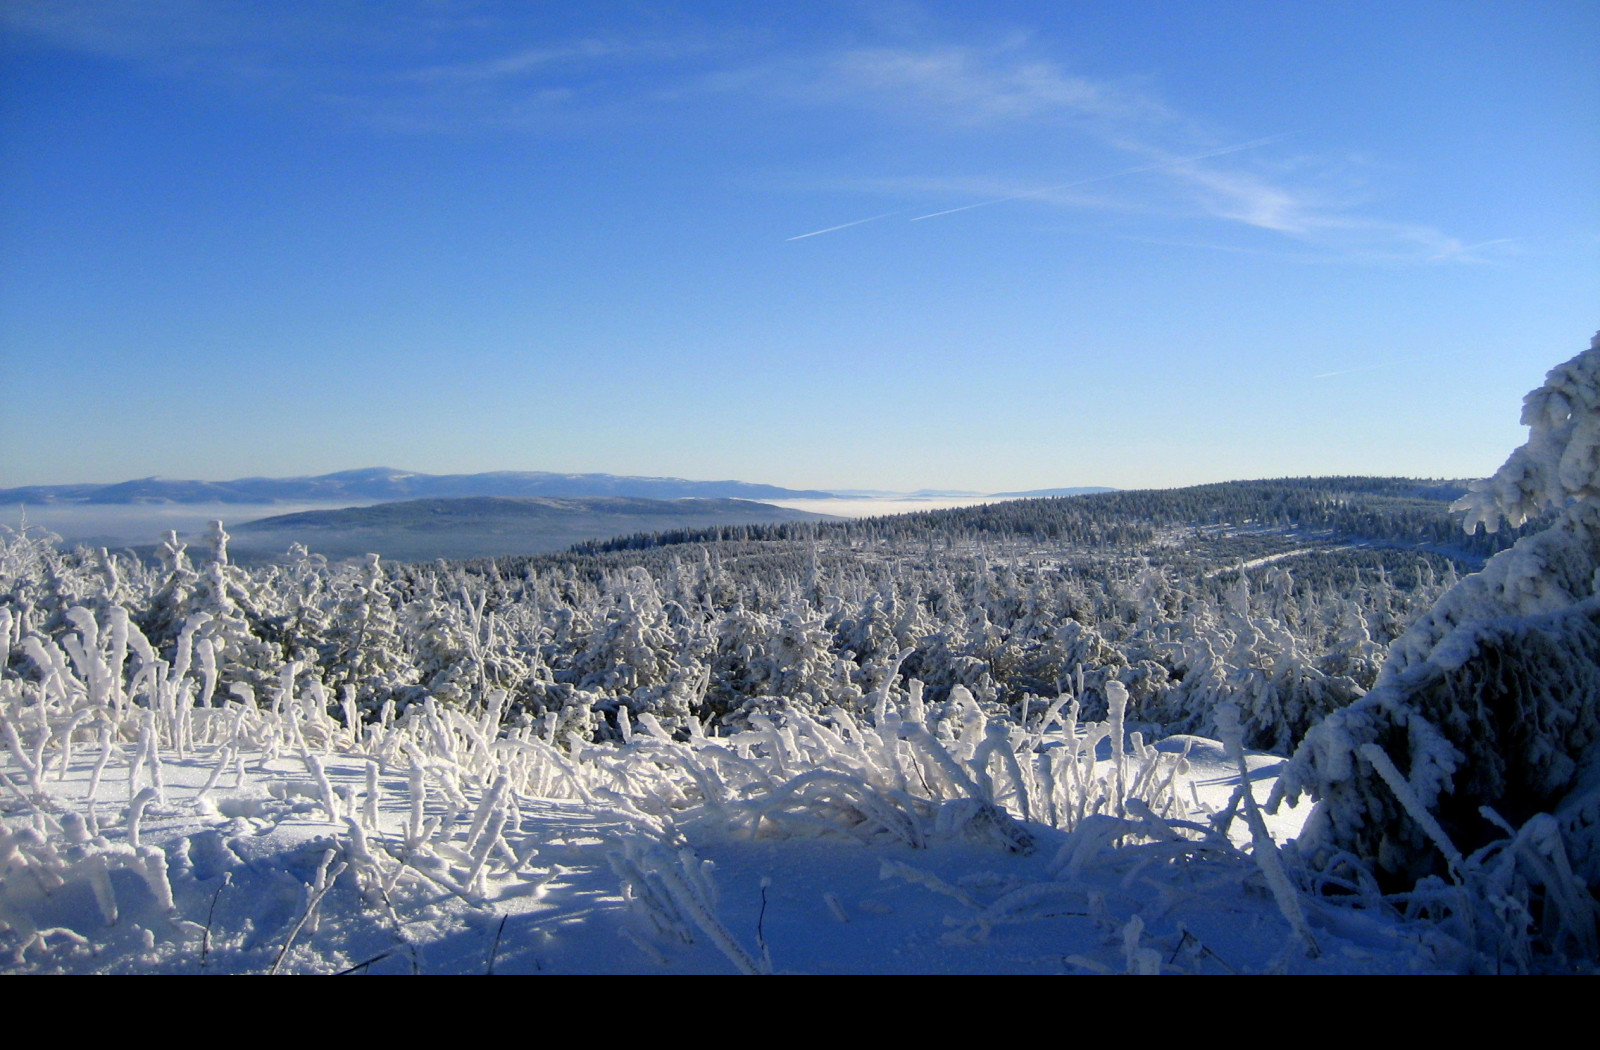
pixel 1486 713
pixel 1239 654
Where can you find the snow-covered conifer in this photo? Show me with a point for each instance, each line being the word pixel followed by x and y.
pixel 1492 699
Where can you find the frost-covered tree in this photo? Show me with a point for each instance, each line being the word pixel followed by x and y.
pixel 362 646
pixel 1235 653
pixel 1487 711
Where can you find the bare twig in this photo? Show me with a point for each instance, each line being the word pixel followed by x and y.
pixel 205 944
pixel 494 948
pixel 365 963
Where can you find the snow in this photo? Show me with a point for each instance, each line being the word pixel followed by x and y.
pixel 247 853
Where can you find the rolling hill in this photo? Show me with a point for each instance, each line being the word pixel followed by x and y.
pixel 384 484
pixel 489 526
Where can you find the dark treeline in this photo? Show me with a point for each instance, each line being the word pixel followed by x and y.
pixel 1380 510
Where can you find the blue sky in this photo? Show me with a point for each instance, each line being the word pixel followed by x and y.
pixel 1124 243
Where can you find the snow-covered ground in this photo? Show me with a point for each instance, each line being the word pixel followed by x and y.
pixel 236 839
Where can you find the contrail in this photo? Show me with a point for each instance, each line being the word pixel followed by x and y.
pixel 1102 178
pixel 1381 365
pixel 1352 371
pixel 847 225
pixel 1047 189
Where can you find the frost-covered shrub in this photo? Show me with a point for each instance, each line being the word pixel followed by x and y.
pixel 1243 655
pixel 1487 710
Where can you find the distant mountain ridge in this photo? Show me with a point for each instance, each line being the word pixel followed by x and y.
pixel 386 484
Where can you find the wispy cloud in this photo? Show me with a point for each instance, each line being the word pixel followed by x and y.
pixel 429 68
pixel 140 30
pixel 1056 193
pixel 975 86
pixel 521 63
pixel 1045 191
pixel 501 67
pixel 1009 88
pixel 1251 200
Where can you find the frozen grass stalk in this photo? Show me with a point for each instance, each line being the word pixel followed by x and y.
pixel 1263 848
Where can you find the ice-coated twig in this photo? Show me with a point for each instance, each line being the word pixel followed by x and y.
pixel 692 891
pixel 153 867
pixel 369 810
pixel 650 897
pixel 136 813
pixel 64 734
pixel 418 783
pixel 485 845
pixel 1408 799
pixel 1263 848
pixel 1025 904
pixel 944 761
pixel 324 883
pixel 1138 960
pixel 105 896
pixel 1117 699
pixel 228 755
pixel 14 742
pixel 17 790
pixel 687 885
pixel 649 950
pixel 897 869
pixel 330 803
pixel 100 763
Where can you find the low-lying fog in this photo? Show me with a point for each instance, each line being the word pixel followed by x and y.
pixel 145 524
pixel 141 524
